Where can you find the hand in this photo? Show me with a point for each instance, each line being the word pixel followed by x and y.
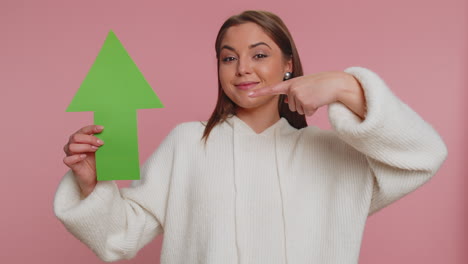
pixel 80 150
pixel 305 94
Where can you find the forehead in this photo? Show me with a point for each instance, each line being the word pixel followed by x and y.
pixel 243 35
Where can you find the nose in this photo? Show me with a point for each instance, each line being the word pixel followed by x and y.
pixel 243 67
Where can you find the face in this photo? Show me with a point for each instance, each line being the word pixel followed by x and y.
pixel 249 59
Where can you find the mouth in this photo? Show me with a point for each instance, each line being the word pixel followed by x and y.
pixel 246 85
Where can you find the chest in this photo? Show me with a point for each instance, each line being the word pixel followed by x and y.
pixel 246 168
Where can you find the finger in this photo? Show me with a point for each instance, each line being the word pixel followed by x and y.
pixel 83 138
pixel 280 88
pixel 91 129
pixel 291 103
pixel 66 150
pixel 310 112
pixel 298 106
pixel 72 160
pixel 75 148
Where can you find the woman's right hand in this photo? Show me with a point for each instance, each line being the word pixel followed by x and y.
pixel 80 156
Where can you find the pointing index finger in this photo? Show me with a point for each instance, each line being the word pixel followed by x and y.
pixel 280 88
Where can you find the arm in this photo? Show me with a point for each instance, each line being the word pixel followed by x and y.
pixel 403 151
pixel 115 224
pixel 352 95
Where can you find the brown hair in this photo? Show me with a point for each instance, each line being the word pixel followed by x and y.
pixel 279 33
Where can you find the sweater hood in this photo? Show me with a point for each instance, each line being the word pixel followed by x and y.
pixel 239 130
pixel 239 126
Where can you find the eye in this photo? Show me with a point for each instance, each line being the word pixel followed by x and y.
pixel 228 59
pixel 260 56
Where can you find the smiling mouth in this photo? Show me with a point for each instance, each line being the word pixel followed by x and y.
pixel 246 86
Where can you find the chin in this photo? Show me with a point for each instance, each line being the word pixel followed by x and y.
pixel 251 103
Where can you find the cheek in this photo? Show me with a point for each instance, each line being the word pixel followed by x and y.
pixel 270 73
pixel 224 81
pixel 224 74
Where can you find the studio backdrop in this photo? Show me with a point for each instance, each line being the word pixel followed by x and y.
pixel 418 47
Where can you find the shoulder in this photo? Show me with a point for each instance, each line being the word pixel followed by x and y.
pixel 324 140
pixel 188 127
pixel 314 132
pixel 187 131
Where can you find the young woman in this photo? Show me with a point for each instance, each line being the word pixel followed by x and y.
pixel 255 184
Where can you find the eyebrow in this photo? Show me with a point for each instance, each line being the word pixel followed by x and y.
pixel 250 46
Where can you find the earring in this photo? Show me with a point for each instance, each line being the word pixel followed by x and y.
pixel 287 75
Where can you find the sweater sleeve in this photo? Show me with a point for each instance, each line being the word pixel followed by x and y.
pixel 115 224
pixel 402 150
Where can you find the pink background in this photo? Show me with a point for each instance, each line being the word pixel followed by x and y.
pixel 418 47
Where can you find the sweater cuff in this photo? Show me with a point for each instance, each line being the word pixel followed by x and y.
pixel 71 208
pixel 345 121
pixel 392 132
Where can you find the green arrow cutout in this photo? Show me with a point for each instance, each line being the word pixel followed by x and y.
pixel 114 89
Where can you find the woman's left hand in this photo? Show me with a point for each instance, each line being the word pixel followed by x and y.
pixel 305 94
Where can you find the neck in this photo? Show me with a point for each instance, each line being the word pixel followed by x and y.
pixel 260 118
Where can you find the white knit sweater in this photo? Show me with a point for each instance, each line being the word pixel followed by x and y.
pixel 281 196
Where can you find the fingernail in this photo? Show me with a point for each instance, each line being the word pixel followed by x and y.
pixel 94 147
pixel 249 94
pixel 100 127
pixel 83 156
pixel 100 142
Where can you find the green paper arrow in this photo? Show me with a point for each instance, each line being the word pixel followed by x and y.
pixel 114 89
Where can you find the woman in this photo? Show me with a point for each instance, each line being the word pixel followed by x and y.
pixel 262 186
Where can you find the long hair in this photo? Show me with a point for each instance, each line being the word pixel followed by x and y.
pixel 274 27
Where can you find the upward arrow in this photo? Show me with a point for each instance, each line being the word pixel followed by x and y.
pixel 114 89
